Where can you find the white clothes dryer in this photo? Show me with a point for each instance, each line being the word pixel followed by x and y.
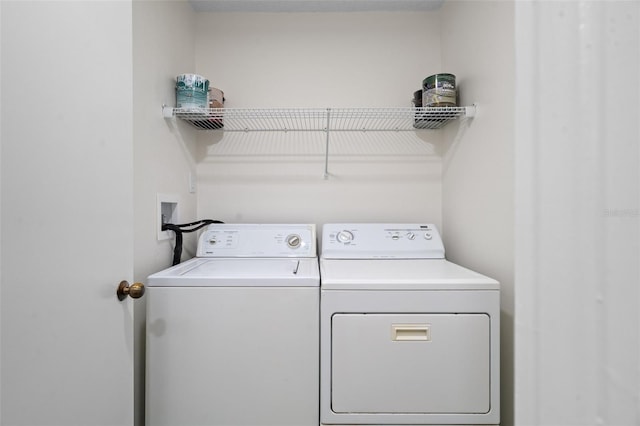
pixel 233 334
pixel 407 337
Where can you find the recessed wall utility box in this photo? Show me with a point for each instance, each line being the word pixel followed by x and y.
pixel 167 212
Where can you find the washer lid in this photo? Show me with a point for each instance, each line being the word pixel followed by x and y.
pixel 242 272
pixel 401 274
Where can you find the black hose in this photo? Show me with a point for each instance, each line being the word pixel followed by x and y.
pixel 180 229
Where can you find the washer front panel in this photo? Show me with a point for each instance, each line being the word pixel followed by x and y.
pixel 224 356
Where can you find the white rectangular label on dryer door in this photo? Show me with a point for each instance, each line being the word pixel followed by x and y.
pixel 431 363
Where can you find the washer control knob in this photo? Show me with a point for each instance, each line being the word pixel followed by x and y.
pixel 428 236
pixel 294 241
pixel 411 235
pixel 213 241
pixel 345 236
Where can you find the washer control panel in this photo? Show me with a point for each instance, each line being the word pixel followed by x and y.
pixel 257 240
pixel 381 240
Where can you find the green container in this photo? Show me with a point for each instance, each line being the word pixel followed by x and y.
pixel 439 90
pixel 191 91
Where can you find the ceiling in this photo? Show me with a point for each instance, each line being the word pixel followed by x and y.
pixel 313 5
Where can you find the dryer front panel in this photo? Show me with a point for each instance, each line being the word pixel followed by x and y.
pixel 410 363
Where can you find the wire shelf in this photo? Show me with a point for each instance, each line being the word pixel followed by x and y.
pixel 319 119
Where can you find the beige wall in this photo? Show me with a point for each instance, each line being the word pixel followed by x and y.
pixel 318 60
pixel 164 151
pixel 163 47
pixel 478 163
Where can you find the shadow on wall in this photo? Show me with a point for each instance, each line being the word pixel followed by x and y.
pixel 304 154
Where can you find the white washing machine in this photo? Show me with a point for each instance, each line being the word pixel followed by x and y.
pixel 407 337
pixel 233 334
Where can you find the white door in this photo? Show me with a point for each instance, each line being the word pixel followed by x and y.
pixel 66 213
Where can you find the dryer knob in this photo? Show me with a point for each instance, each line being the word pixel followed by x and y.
pixel 344 236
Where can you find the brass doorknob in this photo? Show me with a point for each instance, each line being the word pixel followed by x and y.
pixel 135 290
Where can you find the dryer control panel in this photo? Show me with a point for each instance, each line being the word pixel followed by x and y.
pixel 381 241
pixel 257 240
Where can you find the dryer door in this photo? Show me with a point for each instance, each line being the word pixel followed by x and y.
pixel 410 363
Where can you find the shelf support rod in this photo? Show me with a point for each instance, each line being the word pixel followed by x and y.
pixel 326 152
